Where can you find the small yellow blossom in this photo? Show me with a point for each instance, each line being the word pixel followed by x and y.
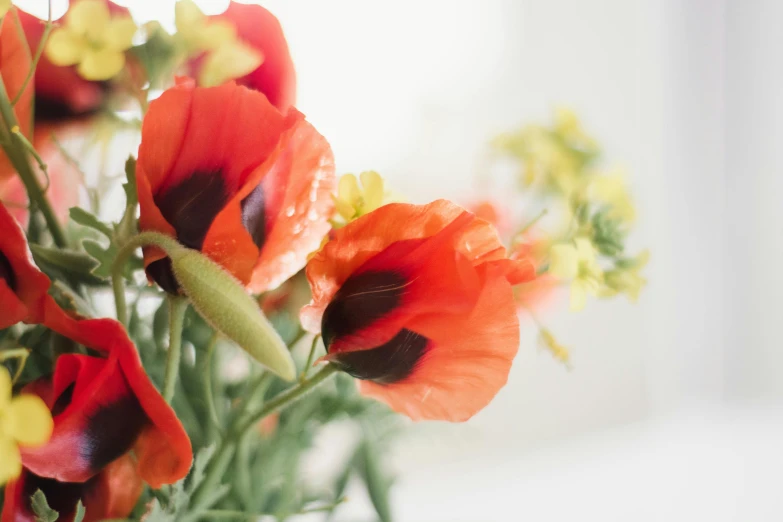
pixel 229 61
pixel 625 278
pixel 353 201
pixel 226 58
pixel 5 5
pixel 570 129
pixel 558 351
pixel 611 190
pixel 577 262
pixel 92 40
pixel 24 421
pixel 197 32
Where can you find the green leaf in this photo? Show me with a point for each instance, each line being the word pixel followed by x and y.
pixel 127 227
pixel 200 463
pixel 80 512
pixel 84 218
pixel 43 513
pixel 71 261
pixel 105 256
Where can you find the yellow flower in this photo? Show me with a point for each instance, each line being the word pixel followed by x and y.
pixel 578 263
pixel 568 126
pixel 229 61
pixel 197 32
pixel 611 190
pixel 625 278
pixel 92 39
pixel 353 202
pixel 24 421
pixel 558 351
pixel 227 57
pixel 5 5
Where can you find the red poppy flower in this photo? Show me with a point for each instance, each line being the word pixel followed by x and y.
pixel 225 172
pixel 112 493
pixel 259 29
pixel 106 406
pixel 417 301
pixel 15 63
pixel 23 288
pixel 60 92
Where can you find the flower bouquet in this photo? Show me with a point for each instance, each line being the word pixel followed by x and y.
pixel 169 351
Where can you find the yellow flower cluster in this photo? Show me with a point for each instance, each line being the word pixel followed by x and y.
pixel 225 56
pixel 24 421
pixel 92 39
pixel 354 201
pixel 553 157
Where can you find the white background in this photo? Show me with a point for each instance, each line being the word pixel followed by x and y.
pixel 673 409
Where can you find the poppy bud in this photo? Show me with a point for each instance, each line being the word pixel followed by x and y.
pixel 223 302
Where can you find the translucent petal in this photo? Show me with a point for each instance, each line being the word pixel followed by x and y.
pixel 119 33
pixel 187 15
pixel 88 18
pixel 372 182
pixel 585 250
pixel 101 65
pixel 217 34
pixel 28 421
pixel 228 62
pixel 564 262
pixel 64 48
pixel 348 189
pixel 10 460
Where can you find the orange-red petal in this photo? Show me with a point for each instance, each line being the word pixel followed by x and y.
pixel 117 392
pixel 219 168
pixel 467 364
pixel 417 301
pixel 23 287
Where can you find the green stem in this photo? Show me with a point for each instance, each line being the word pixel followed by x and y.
pixel 288 397
pixel 209 396
pixel 161 241
pixel 177 308
pixel 16 151
pixel 228 446
pixel 310 358
pixel 16 353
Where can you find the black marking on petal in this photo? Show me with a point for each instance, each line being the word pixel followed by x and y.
pixel 7 272
pixel 61 496
pixel 112 430
pixel 361 300
pixel 391 362
pixel 64 400
pixel 161 272
pixel 192 204
pixel 254 215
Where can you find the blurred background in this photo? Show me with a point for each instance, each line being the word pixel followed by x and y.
pixel 673 408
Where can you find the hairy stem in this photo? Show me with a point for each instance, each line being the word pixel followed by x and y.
pixel 177 308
